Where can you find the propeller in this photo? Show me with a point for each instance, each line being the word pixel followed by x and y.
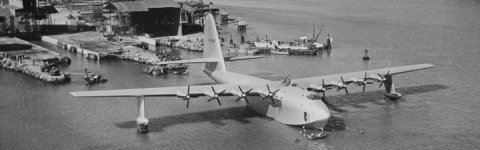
pixel 185 96
pixel 214 96
pixel 364 82
pixel 270 94
pixel 324 89
pixel 243 95
pixel 343 86
pixel 382 78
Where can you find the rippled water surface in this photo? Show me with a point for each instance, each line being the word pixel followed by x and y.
pixel 439 109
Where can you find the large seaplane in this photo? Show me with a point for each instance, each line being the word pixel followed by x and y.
pixel 292 102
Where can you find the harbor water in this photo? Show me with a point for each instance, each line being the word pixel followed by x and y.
pixel 439 109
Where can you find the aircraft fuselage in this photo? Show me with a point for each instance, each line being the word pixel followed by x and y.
pixel 290 104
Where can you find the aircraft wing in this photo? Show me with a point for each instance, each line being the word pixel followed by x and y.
pixel 195 91
pixel 305 82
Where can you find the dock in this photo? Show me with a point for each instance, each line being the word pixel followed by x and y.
pixel 30 59
pixel 94 46
pixel 91 44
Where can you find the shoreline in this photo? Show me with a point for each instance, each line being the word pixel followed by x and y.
pixel 34 61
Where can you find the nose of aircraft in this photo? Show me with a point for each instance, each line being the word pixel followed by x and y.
pixel 320 116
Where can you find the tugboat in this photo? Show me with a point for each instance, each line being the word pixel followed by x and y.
pixel 91 78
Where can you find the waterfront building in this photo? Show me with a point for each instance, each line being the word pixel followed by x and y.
pixel 152 17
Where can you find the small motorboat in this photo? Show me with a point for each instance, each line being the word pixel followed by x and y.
pixel 319 135
pixel 312 135
pixel 92 78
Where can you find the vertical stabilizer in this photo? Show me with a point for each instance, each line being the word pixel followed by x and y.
pixel 212 47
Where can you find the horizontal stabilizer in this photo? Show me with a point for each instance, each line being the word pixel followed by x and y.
pixel 190 61
pixel 242 58
pixel 209 60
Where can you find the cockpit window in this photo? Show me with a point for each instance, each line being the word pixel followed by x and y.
pixel 314 97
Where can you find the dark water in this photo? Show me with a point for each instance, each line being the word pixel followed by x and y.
pixel 439 110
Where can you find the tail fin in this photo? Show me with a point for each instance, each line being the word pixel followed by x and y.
pixel 212 47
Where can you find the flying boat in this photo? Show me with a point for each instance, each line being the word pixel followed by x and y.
pixel 291 102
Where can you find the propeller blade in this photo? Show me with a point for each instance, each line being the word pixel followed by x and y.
pixel 364 78
pixel 246 100
pixel 188 102
pixel 210 99
pixel 272 100
pixel 381 83
pixel 213 90
pixel 275 92
pixel 324 95
pixel 346 91
pixel 218 100
pixel 238 99
pixel 364 85
pixel 222 92
pixel 240 89
pixel 268 88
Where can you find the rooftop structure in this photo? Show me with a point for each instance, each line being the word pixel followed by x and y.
pixel 153 17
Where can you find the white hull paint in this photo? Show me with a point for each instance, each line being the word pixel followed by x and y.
pixel 290 109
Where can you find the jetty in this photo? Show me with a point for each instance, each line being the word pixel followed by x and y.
pixel 30 59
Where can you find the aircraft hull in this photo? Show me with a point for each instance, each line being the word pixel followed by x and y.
pixel 291 109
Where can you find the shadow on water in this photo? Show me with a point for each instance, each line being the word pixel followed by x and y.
pixel 355 99
pixel 215 117
pixel 334 102
pixel 335 124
